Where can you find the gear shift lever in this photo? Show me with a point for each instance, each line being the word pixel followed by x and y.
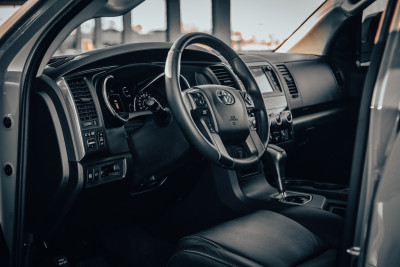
pixel 278 158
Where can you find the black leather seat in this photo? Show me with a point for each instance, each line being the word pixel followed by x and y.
pixel 298 236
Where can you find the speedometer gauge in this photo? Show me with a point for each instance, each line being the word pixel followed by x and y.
pixel 140 99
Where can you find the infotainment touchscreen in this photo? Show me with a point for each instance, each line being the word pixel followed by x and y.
pixel 262 80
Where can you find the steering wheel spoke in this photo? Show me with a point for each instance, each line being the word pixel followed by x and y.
pixel 254 145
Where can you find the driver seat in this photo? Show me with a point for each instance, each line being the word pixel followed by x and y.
pixel 298 236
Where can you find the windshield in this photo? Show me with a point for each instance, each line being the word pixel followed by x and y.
pixel 245 25
pixel 6 11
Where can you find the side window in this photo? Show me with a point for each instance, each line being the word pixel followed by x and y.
pixel 134 27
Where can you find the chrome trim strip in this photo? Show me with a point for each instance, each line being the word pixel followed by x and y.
pixel 76 130
pixel 105 97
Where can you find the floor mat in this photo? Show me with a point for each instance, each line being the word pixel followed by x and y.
pixel 136 247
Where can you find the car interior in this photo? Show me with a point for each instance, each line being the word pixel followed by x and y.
pixel 178 154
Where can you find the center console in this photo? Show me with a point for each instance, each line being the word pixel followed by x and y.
pixel 280 116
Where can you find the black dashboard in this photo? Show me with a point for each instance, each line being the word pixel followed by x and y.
pixel 95 96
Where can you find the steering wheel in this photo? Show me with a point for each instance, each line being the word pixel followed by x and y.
pixel 227 126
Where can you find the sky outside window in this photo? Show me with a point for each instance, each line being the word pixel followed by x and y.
pixel 264 24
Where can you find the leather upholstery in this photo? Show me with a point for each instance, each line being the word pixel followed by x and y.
pixel 299 236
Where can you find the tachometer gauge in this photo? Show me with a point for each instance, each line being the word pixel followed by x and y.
pixel 139 101
pixel 116 99
pixel 126 92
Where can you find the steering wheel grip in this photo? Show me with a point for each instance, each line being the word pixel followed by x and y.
pixel 179 101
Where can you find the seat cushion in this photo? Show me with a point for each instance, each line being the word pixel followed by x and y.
pixel 298 236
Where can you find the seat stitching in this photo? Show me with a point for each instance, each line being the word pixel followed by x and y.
pixel 208 256
pixel 218 246
pixel 204 239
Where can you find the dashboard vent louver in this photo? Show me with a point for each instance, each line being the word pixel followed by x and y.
pixel 289 81
pixel 337 74
pixel 83 99
pixel 56 62
pixel 223 75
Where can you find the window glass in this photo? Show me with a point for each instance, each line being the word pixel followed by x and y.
pixel 375 7
pixel 196 17
pixel 150 17
pixel 111 31
pixel 6 12
pixel 265 24
pixel 255 24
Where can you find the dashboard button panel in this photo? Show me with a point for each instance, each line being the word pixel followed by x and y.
pixel 105 172
pixel 94 140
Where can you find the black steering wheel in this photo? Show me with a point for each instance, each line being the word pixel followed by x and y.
pixel 227 126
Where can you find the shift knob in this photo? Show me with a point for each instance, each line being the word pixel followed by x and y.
pixel 278 158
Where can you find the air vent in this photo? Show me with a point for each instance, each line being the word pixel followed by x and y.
pixel 83 99
pixel 337 74
pixel 56 62
pixel 223 75
pixel 289 81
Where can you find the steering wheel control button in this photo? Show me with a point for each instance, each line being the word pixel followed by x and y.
pixel 210 127
pixel 247 100
pixel 199 100
pixel 225 97
pixel 204 112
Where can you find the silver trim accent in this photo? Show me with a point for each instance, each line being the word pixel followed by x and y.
pixel 354 251
pixel 76 130
pixel 105 97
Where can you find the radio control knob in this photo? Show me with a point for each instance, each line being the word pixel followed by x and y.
pixel 276 119
pixel 286 117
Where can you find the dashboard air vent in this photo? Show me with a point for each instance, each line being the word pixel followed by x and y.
pixel 289 81
pixel 223 75
pixel 337 74
pixel 56 62
pixel 83 99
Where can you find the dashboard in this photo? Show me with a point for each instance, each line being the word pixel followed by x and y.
pixel 100 106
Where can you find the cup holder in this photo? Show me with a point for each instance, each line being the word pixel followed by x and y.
pixel 298 199
pixel 325 186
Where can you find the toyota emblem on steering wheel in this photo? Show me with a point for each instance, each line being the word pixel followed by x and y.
pixel 225 97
